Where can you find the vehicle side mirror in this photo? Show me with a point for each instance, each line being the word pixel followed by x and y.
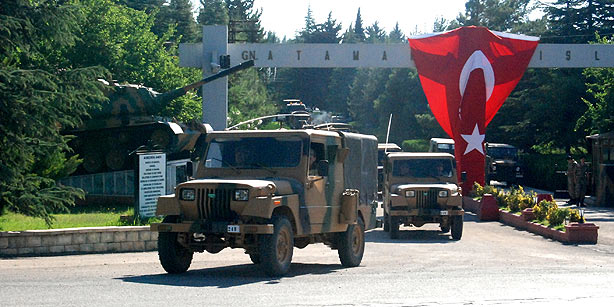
pixel 323 167
pixel 463 176
pixel 189 169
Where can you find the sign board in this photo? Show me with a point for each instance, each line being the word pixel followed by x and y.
pixel 151 182
pixel 382 55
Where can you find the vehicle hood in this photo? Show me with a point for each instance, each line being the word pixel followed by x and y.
pixel 424 186
pixel 504 162
pixel 281 186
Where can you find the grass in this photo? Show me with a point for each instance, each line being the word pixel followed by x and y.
pixel 80 216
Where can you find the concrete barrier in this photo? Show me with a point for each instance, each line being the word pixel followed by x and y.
pixel 77 241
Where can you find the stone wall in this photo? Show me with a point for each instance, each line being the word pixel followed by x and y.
pixel 77 241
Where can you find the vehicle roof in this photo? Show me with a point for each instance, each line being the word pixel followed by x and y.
pixel 304 132
pixel 442 140
pixel 388 146
pixel 499 145
pixel 403 155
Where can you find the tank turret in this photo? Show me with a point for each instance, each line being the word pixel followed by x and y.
pixel 128 120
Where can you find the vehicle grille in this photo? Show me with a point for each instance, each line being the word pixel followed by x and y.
pixel 216 208
pixel 426 199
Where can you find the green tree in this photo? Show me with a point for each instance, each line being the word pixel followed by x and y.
pixel 40 93
pixel 598 117
pixel 121 40
pixel 213 12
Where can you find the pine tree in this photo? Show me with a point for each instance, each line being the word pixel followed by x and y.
pixel 213 12
pixel 40 94
pixel 358 29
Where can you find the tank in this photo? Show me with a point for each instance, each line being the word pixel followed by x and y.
pixel 128 121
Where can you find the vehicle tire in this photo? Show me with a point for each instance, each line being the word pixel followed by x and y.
pixel 255 257
pixel 394 228
pixel 386 223
pixel 174 257
pixel 445 229
pixel 351 244
pixel 276 249
pixel 457 227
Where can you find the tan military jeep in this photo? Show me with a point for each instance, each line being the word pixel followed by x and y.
pixel 270 191
pixel 422 188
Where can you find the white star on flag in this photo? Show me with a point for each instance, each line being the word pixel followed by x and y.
pixel 474 140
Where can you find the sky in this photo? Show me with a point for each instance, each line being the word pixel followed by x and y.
pixel 286 17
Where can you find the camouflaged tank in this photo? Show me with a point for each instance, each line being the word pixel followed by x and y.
pixel 128 121
pixel 270 191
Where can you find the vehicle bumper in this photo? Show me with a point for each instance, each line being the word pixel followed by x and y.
pixel 426 212
pixel 213 227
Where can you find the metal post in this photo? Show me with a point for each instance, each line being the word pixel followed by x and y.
pixel 215 93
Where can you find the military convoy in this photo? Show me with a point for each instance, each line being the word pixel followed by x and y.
pixel 270 191
pixel 422 188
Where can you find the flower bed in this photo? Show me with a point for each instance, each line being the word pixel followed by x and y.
pixel 575 232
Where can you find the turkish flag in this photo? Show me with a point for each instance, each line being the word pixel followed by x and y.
pixel 466 75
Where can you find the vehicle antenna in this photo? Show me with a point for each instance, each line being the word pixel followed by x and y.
pixel 388 132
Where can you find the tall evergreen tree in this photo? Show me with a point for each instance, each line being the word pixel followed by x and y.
pixel 213 12
pixel 40 93
pixel 358 29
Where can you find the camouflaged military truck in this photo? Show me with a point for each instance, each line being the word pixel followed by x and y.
pixel 128 120
pixel 270 191
pixel 422 188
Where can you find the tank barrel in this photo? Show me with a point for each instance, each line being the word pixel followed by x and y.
pixel 168 96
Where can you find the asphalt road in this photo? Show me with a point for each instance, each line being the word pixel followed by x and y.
pixel 493 264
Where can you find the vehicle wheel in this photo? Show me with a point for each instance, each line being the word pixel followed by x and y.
pixel 351 244
pixel 115 158
pixel 394 228
pixel 174 257
pixel 276 249
pixel 386 223
pixel 445 228
pixel 255 257
pixel 457 227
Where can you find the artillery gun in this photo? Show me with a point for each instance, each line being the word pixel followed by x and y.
pixel 128 120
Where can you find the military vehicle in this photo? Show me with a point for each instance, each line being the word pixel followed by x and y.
pixel 382 150
pixel 422 188
pixel 128 120
pixel 502 163
pixel 268 191
pixel 441 145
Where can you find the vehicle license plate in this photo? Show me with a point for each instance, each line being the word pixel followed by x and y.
pixel 233 228
pixel 441 212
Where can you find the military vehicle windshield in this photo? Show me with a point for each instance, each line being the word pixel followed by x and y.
pixel 253 152
pixel 423 168
pixel 503 153
pixel 449 148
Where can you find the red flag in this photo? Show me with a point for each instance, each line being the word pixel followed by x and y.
pixel 466 75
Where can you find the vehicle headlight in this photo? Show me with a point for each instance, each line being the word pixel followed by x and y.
pixel 187 194
pixel 443 193
pixel 241 195
pixel 410 193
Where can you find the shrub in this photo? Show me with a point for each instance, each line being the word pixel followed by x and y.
pixel 541 210
pixel 556 216
pixel 415 145
pixel 574 216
